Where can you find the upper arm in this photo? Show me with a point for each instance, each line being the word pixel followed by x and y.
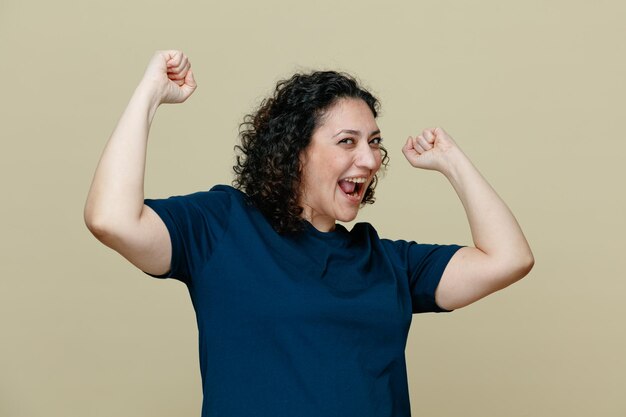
pixel 471 275
pixel 144 243
pixel 174 236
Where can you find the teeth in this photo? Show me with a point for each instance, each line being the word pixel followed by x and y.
pixel 356 180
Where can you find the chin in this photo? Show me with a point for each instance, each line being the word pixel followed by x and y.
pixel 347 217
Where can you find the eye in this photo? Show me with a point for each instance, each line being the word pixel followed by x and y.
pixel 347 141
pixel 376 141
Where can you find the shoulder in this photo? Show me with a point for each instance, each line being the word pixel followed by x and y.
pixel 214 204
pixel 412 252
pixel 218 196
pixel 364 229
pixel 366 234
pixel 232 194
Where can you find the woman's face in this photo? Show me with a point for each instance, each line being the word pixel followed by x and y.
pixel 339 164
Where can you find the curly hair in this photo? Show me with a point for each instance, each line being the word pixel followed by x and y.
pixel 268 168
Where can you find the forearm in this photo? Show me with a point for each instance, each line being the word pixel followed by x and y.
pixel 495 231
pixel 117 190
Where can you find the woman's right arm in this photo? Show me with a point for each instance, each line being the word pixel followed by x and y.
pixel 114 211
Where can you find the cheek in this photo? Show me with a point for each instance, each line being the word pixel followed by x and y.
pixel 319 176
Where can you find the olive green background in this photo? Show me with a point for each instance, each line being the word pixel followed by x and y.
pixel 533 91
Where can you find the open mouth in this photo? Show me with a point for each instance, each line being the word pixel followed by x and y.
pixel 353 187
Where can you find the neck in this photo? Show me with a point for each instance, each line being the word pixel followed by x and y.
pixel 322 223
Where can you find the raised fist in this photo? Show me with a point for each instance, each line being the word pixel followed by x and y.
pixel 432 149
pixel 169 74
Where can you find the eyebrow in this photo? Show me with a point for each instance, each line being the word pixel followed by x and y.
pixel 355 132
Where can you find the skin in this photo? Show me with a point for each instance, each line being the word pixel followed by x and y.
pixel 501 255
pixel 115 213
pixel 346 145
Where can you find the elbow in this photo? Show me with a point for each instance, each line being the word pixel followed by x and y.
pixel 100 227
pixel 511 271
pixel 97 227
pixel 522 266
pixel 102 222
pixel 110 231
pixel 528 263
pixel 92 220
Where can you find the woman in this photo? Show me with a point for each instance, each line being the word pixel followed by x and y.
pixel 296 314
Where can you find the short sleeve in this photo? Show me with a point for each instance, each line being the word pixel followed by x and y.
pixel 195 223
pixel 425 264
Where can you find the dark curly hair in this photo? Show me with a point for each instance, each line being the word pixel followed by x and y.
pixel 268 165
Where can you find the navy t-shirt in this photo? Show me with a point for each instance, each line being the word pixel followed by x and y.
pixel 306 324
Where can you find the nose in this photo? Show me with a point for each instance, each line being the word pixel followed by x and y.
pixel 368 157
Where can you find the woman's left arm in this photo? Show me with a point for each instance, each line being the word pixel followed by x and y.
pixel 501 254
